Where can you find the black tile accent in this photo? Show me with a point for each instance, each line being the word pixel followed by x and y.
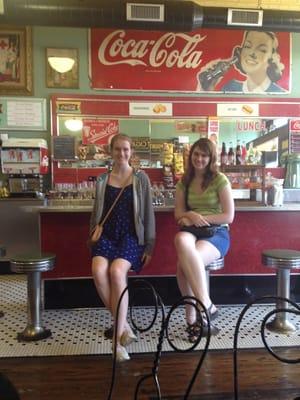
pixel 5 268
pixel 227 289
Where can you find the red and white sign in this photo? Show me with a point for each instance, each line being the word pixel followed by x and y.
pixel 294 125
pixel 213 129
pixel 169 61
pixel 99 131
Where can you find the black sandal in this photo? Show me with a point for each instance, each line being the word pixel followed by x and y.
pixel 193 331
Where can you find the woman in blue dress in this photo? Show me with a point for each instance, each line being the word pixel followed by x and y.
pixel 128 236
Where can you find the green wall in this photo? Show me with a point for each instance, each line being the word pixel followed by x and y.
pixel 44 37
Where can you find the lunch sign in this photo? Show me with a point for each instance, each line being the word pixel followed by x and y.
pixel 169 61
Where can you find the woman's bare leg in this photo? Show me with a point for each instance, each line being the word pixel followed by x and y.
pixel 186 290
pixel 193 256
pixel 100 272
pixel 118 277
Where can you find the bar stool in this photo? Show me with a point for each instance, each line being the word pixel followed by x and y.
pixel 213 266
pixel 33 265
pixel 283 260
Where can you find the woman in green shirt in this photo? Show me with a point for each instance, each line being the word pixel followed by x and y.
pixel 203 197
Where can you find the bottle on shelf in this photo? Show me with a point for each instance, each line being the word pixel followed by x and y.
pixel 224 156
pixel 231 155
pixel 250 154
pixel 244 152
pixel 238 154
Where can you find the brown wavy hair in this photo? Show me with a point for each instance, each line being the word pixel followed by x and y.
pixel 209 148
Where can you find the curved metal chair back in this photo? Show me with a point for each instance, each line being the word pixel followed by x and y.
pixel 198 305
pixel 295 311
pixel 159 306
pixel 164 333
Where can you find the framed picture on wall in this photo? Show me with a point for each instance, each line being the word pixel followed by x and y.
pixel 62 68
pixel 15 60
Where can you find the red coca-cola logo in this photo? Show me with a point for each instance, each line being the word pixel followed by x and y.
pixel 295 125
pixel 123 59
pixel 171 49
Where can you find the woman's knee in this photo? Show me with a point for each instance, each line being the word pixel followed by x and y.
pixel 118 272
pixel 180 240
pixel 99 270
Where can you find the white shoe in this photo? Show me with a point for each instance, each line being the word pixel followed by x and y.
pixel 127 338
pixel 121 354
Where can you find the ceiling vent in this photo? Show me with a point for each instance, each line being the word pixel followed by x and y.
pixel 242 17
pixel 145 12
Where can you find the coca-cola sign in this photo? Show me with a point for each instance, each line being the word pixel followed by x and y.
pixel 98 131
pixel 167 61
pixel 294 125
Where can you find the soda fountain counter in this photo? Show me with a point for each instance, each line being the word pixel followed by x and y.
pixel 64 231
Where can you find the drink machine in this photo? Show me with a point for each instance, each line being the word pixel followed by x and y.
pixel 25 161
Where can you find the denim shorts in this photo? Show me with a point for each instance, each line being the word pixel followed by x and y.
pixel 221 240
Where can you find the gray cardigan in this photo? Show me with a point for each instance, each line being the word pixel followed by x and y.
pixel 144 219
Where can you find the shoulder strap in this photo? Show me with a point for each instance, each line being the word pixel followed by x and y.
pixel 114 203
pixel 186 194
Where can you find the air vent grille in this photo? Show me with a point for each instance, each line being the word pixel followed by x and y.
pixel 145 12
pixel 245 17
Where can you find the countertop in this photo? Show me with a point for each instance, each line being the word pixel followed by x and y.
pixel 244 206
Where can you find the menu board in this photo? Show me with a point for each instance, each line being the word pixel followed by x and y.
pixel 23 114
pixel 64 148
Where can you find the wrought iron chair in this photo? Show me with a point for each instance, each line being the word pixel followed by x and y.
pixel 263 328
pixel 164 333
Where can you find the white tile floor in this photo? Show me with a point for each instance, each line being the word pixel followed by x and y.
pixel 78 332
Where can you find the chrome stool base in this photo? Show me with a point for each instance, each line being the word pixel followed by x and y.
pixel 213 266
pixel 32 333
pixel 283 327
pixel 33 266
pixel 283 261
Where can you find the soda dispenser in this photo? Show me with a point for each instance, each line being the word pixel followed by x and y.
pixel 25 161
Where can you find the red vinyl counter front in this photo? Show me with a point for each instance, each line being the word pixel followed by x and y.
pixel 64 232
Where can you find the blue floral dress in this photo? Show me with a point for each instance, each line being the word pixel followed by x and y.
pixel 118 239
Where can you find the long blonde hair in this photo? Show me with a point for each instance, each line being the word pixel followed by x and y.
pixel 121 136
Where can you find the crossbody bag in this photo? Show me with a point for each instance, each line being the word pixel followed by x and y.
pixel 198 231
pixel 98 229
